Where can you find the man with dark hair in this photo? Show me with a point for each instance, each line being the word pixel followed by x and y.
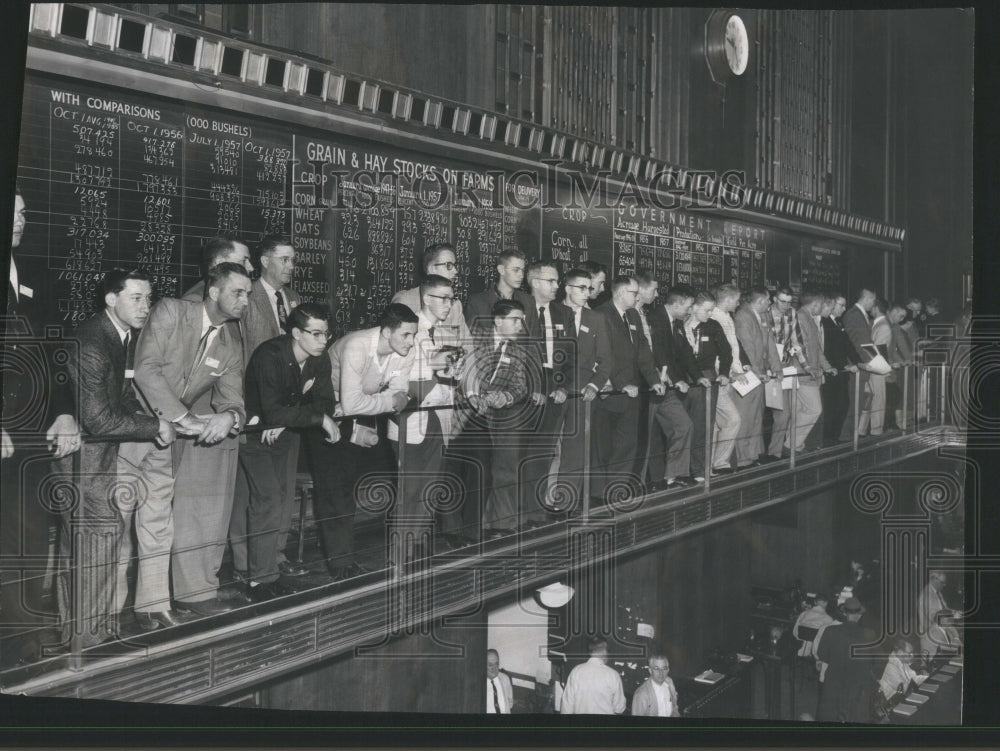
pixel 783 320
pixel 547 325
pixel 592 366
pixel 809 405
pixel 102 376
pixel 288 389
pixel 670 454
pixel 616 418
pixel 598 280
pixel 495 386
pixel 370 374
pixel 440 259
pixel 657 696
pixel 593 687
pixel 836 392
pixel 499 691
pixel 846 690
pixel 511 265
pixel 184 351
pixel 858 327
pixel 271 301
pixel 760 356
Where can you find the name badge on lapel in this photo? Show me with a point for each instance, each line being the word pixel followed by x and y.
pixel 25 291
pixel 584 328
pixel 504 360
pixel 308 385
pixel 632 326
pixel 211 362
pixel 129 374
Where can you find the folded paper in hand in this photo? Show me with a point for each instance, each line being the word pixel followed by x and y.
pixel 789 372
pixel 752 382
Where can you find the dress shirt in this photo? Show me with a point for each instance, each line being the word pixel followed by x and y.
pixel 494 689
pixel 645 326
pixel 621 314
pixel 273 300
pixel 122 333
pixel 362 382
pixel 725 320
pixel 205 323
pixel 593 688
pixel 664 706
pixel 895 673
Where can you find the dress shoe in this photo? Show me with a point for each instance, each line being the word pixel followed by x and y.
pixel 722 471
pixel 287 568
pixel 698 478
pixel 237 595
pixel 680 482
pixel 164 618
pixel 205 608
pixel 658 485
pixel 267 591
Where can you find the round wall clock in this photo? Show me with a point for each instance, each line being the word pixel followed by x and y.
pixel 727 45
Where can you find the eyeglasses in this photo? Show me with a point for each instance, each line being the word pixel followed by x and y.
pixel 550 281
pixel 319 334
pixel 443 298
pixel 451 266
pixel 581 287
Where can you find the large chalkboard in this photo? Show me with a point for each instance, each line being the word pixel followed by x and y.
pixel 121 178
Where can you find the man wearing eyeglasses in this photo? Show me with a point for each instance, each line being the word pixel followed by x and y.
pixel 782 317
pixel 436 351
pixel 591 368
pixel 510 275
pixel 440 260
pixel 287 387
pixel 616 418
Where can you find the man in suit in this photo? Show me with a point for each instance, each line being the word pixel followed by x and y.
pixel 271 300
pixel 499 691
pixel 836 392
pixel 547 325
pixel 656 697
pixel 591 357
pixel 184 351
pixel 848 683
pixel 370 373
pixel 670 447
pixel 102 376
pixel 288 388
pixel 615 427
pixel 760 356
pixel 809 405
pixel 935 620
pixel 28 409
pixel 783 320
pixel 858 327
pixel 882 339
pixel 598 280
pixel 511 265
pixel 497 387
pixel 900 355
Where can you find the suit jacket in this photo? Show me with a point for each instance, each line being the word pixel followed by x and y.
pixel 165 372
pixel 260 323
pixel 836 346
pixel 714 352
pixel 592 356
pixel 680 360
pixel 644 700
pixel 848 684
pixel 561 375
pixel 506 688
pixel 811 349
pixel 859 331
pixel 108 405
pixel 757 348
pixel 631 359
pixel 276 388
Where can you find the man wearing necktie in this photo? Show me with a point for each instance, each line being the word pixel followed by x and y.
pixel 836 392
pixel 496 387
pixel 858 327
pixel 615 432
pixel 102 376
pixel 547 323
pixel 185 350
pixel 760 356
pixel 670 464
pixel 499 691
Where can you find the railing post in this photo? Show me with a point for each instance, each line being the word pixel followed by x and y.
pixel 857 405
pixel 76 576
pixel 943 393
pixel 586 459
pixel 906 398
pixel 708 438
pixel 793 419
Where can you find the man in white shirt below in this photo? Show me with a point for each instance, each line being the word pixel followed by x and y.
pixel 593 687
pixel 499 692
pixel 657 697
pixel 815 617
pixel 898 675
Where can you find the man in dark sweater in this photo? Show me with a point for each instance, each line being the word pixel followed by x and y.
pixel 287 387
